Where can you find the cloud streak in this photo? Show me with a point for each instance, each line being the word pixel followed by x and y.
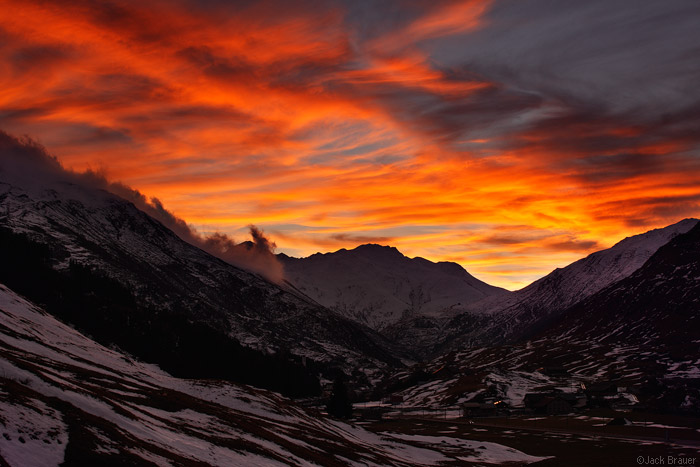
pixel 330 121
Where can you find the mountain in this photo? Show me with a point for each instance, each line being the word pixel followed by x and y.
pixel 67 400
pixel 511 316
pixel 657 305
pixel 378 286
pixel 429 308
pixel 641 333
pixel 97 261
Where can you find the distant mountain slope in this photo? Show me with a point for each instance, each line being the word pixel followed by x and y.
pixel 67 400
pixel 526 310
pixel 378 286
pixel 641 333
pixel 175 286
pixel 658 304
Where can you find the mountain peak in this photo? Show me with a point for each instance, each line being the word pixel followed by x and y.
pixel 375 248
pixel 657 237
pixel 379 286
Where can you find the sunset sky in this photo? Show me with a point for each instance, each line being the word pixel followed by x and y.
pixel 510 136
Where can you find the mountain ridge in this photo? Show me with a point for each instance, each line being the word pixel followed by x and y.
pixel 377 285
pixel 640 334
pixel 90 231
pixel 508 317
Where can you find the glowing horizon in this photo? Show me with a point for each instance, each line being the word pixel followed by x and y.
pixel 510 138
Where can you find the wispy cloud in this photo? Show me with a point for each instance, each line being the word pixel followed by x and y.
pixel 363 122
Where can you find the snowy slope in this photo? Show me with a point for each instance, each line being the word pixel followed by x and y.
pixel 659 303
pixel 64 399
pixel 527 310
pixel 378 286
pixel 564 287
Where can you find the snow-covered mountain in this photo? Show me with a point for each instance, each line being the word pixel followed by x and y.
pixel 67 400
pixel 182 296
pixel 523 312
pixel 378 286
pixel 641 333
pixel 657 305
pixel 434 307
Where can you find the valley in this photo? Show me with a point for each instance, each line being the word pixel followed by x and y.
pixel 124 342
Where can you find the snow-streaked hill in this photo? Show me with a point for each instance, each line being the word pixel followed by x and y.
pixel 378 286
pixel 67 400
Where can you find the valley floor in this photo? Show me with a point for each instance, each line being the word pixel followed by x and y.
pixel 558 441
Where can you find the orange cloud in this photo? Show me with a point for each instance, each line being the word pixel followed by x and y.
pixel 288 119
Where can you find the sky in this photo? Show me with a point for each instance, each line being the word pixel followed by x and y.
pixel 512 137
